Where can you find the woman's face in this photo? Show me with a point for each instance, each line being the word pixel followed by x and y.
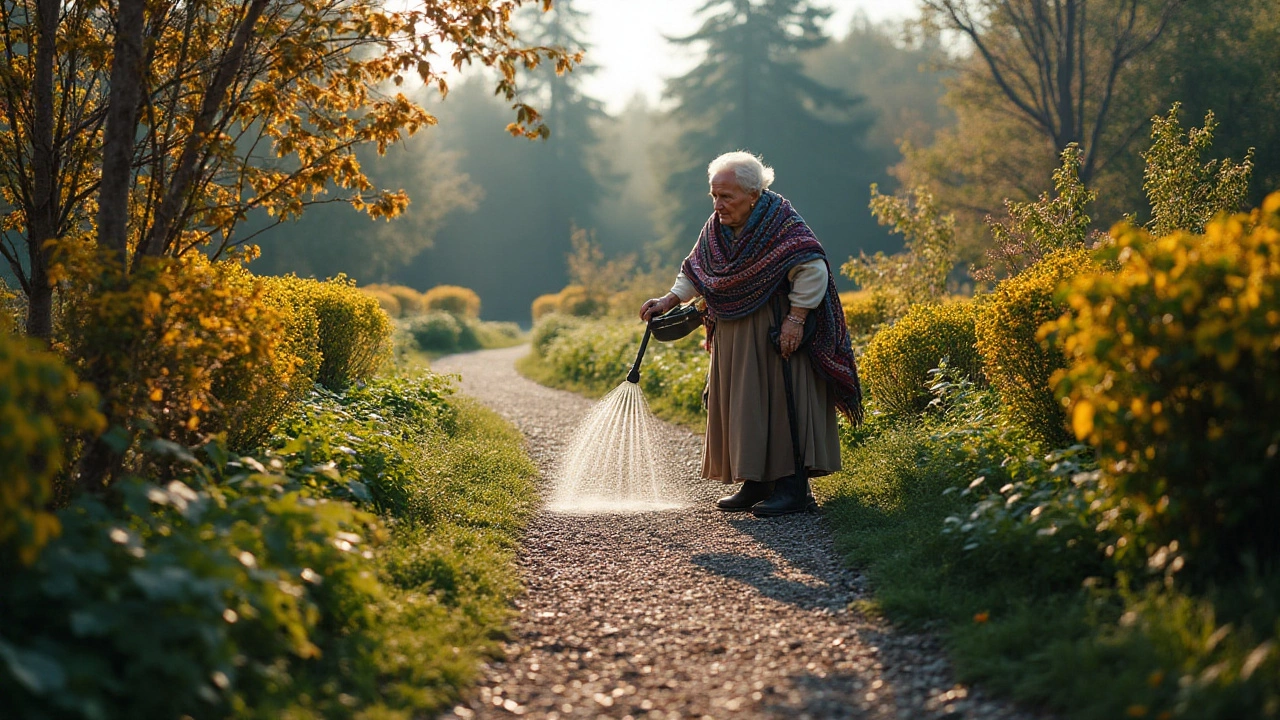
pixel 731 202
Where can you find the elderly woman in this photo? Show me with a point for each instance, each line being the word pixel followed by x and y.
pixel 760 269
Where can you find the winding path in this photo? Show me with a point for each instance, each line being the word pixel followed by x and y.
pixel 691 612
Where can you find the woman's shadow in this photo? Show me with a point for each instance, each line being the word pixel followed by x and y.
pixel 813 580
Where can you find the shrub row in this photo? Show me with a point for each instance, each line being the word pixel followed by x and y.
pixel 573 300
pixel 186 349
pixel 400 301
pixel 994 338
pixel 1124 577
pixel 266 586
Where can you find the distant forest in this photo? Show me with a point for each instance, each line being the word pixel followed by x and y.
pixel 891 104
pixel 495 213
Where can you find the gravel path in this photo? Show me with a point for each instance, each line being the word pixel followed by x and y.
pixel 691 612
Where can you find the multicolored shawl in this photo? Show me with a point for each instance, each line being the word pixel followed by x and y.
pixel 736 275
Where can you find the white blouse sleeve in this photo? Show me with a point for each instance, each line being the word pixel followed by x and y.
pixel 808 284
pixel 684 288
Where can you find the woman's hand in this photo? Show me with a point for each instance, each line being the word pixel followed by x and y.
pixel 658 306
pixel 792 332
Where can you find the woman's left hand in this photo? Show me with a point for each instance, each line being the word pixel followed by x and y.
pixel 789 337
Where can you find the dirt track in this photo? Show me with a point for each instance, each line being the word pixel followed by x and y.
pixel 691 612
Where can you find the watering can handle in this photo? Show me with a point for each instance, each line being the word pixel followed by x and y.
pixel 634 376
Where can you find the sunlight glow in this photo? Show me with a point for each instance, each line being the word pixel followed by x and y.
pixel 632 56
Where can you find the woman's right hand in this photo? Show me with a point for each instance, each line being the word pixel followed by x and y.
pixel 658 306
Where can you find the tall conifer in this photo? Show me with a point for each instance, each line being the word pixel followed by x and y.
pixel 750 92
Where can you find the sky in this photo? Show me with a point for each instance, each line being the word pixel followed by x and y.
pixel 628 47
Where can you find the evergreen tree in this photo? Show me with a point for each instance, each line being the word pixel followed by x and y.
pixel 750 92
pixel 574 186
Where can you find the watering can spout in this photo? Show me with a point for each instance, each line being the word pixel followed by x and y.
pixel 634 376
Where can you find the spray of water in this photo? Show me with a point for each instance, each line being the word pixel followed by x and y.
pixel 612 464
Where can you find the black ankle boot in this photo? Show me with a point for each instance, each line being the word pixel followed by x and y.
pixel 790 495
pixel 749 494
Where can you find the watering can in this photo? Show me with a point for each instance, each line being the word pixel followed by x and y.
pixel 673 325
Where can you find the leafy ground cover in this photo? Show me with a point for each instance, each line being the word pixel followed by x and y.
pixel 358 567
pixel 968 528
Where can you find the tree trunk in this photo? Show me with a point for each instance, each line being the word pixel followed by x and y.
pixel 40 305
pixel 42 219
pixel 118 136
pixel 100 461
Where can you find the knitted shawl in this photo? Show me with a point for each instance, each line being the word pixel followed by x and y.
pixel 737 275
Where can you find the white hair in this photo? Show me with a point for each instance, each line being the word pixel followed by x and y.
pixel 752 174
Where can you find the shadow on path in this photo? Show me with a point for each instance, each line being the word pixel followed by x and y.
pixel 762 575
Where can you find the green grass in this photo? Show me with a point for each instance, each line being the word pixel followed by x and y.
pixel 451 579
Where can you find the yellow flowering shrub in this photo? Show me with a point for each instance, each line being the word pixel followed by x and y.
pixel 354 332
pixel 41 401
pixel 1175 379
pixel 452 299
pixel 544 305
pixel 389 303
pixel 156 345
pixel 1015 359
pixel 411 301
pixel 896 364
pixel 864 310
pixel 575 300
pixel 254 391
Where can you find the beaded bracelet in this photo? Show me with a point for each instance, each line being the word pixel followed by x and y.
pixel 795 319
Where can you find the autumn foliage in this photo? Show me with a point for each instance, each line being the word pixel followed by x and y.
pixel 41 401
pixel 1175 377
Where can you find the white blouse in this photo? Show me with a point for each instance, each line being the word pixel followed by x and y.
pixel 808 285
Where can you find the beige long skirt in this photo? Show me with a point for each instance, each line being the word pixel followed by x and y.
pixel 748 433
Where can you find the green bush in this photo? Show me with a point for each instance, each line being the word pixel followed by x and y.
pixel 41 401
pixel 188 601
pixel 443 332
pixel 1012 574
pixel 1183 193
pixel 918 274
pixel 1015 358
pixel 594 356
pixel 498 334
pixel 896 364
pixel 1057 220
pixel 380 471
pixel 248 589
pixel 548 328
pixel 1175 379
